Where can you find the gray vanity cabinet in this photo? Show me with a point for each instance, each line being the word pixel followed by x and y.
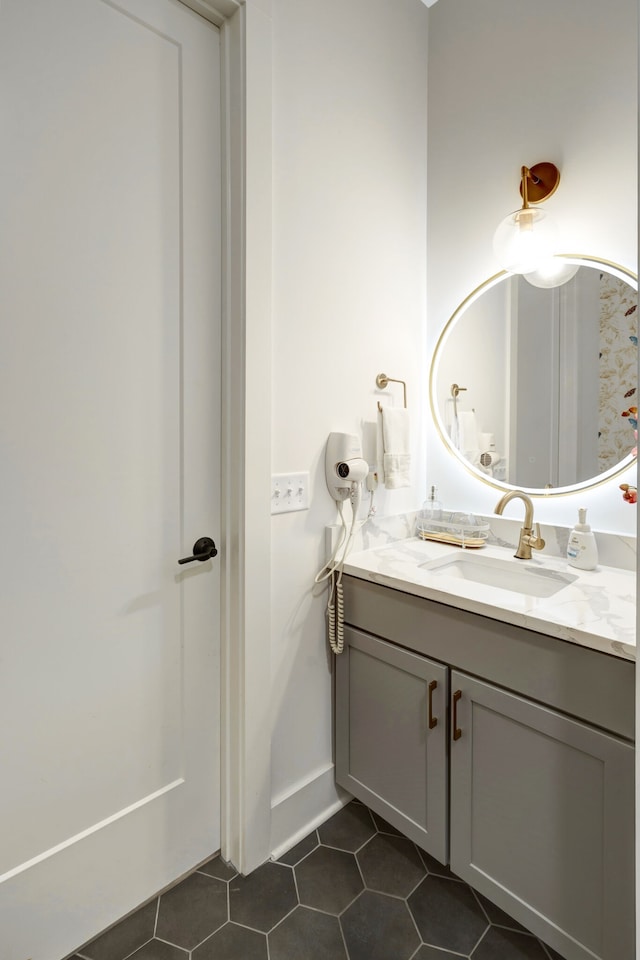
pixel 542 818
pixel 392 752
pixel 525 784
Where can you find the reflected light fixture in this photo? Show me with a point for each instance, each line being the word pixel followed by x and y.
pixel 552 273
pixel 526 238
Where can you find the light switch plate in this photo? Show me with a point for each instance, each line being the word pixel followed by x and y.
pixel 289 491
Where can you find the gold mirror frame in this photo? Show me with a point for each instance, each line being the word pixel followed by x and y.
pixel 614 268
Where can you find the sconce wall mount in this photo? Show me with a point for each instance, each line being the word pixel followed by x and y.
pixel 539 182
pixel 526 238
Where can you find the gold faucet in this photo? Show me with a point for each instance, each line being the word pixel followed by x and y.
pixel 527 538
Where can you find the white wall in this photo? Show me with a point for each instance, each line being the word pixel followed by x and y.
pixel 513 83
pixel 349 255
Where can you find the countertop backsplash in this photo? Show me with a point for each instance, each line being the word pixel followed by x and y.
pixel 614 550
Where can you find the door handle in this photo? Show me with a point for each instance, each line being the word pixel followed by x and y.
pixel 433 721
pixel 203 549
pixel 457 732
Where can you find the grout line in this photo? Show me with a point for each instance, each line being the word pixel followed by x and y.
pixel 418 883
pixel 295 883
pixel 169 943
pixel 471 952
pixel 302 859
pixel 140 946
pixel 155 922
pixel 275 926
pixel 415 923
pixel 359 894
pixel 346 948
pixel 325 913
pixel 244 926
pixel 477 899
pixel 208 937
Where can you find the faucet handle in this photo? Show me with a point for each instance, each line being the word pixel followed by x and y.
pixel 536 542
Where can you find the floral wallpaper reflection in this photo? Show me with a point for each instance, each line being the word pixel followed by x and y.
pixel 618 371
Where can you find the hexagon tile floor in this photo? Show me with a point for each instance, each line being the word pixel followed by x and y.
pixel 354 889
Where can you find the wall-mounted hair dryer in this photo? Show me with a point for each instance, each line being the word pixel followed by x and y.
pixel 345 469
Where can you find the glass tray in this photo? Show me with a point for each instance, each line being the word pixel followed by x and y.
pixel 460 529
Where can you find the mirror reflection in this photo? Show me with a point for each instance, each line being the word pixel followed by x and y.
pixel 537 388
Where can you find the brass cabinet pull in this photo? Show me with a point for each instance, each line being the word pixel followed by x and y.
pixel 433 721
pixel 457 732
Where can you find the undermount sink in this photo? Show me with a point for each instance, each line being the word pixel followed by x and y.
pixel 511 575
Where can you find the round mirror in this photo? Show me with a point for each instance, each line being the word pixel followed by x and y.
pixel 536 388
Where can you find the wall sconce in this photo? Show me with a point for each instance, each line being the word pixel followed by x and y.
pixel 526 238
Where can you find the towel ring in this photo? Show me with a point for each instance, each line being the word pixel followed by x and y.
pixel 382 380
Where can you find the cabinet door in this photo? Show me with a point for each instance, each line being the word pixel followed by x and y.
pixel 391 736
pixel 542 819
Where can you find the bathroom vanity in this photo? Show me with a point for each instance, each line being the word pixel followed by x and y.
pixel 496 730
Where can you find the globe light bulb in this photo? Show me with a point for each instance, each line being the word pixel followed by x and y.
pixel 524 240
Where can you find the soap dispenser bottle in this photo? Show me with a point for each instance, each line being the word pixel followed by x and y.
pixel 432 508
pixel 582 549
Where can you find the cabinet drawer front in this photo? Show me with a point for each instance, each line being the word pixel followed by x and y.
pixel 542 820
pixel 592 686
pixel 387 752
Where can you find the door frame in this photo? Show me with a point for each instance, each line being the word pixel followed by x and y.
pixel 245 714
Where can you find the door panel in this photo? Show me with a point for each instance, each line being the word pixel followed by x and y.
pixel 109 454
pixel 390 746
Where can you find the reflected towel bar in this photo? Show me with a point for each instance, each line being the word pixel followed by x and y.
pixel 455 393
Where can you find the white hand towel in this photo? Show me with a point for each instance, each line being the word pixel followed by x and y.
pixel 468 433
pixel 380 447
pixel 397 447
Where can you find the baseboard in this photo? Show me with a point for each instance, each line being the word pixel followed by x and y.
pixel 303 808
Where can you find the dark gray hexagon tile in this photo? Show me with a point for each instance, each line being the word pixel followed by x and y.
pixel 434 866
pixel 232 942
pixel 552 953
pixel 307 935
pixel 192 910
pixel 300 850
pixel 447 914
pixel 159 950
pixel 125 937
pixel 216 867
pixel 328 880
pixel 502 944
pixel 498 916
pixel 383 826
pixel 435 953
pixel 348 829
pixel 377 927
pixel 390 865
pixel 264 897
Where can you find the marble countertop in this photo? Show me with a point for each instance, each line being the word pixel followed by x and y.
pixel 598 610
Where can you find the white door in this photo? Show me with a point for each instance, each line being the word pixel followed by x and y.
pixel 109 461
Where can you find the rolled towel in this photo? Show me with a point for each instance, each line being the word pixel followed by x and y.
pixel 396 447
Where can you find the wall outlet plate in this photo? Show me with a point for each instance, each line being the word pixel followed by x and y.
pixel 289 491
